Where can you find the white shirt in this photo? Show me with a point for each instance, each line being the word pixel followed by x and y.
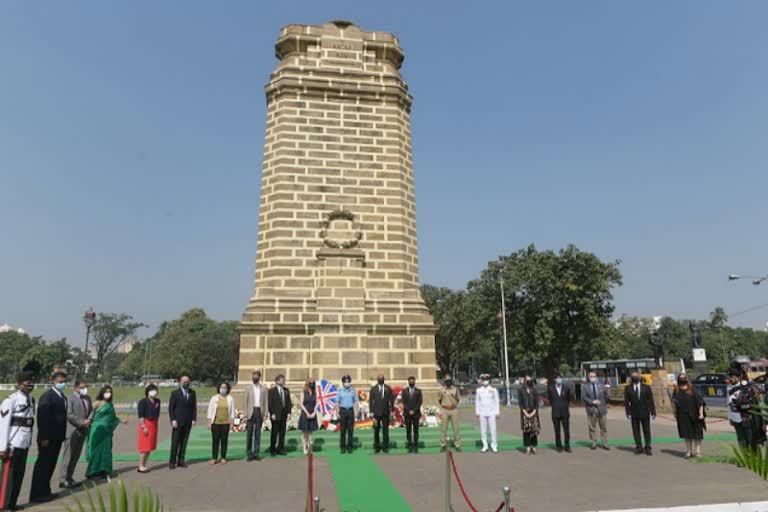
pixel 734 416
pixel 256 396
pixel 18 405
pixel 559 389
pixel 486 401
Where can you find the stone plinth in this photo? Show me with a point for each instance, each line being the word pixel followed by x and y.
pixel 336 288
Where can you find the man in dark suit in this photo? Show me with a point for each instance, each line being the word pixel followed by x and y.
pixel 559 395
pixel 51 432
pixel 412 399
pixel 182 409
pixel 279 405
pixel 638 401
pixel 381 401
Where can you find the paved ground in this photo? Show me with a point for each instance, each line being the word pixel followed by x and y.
pixel 399 482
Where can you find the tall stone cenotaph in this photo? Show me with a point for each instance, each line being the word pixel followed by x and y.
pixel 337 287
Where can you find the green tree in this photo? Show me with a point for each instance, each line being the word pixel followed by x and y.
pixel 558 304
pixel 13 346
pixel 109 332
pixel 462 331
pixel 43 358
pixel 196 345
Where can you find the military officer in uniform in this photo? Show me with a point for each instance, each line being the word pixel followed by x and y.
pixel 487 410
pixel 448 399
pixel 17 416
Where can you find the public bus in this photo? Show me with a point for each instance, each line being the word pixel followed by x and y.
pixel 616 372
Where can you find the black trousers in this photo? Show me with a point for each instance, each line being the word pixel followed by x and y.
pixel 16 466
pixel 411 431
pixel 277 436
pixel 565 422
pixel 220 435
pixel 645 423
pixel 347 422
pixel 179 439
pixel 253 430
pixel 381 423
pixel 44 468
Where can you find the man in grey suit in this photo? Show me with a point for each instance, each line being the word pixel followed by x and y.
pixel 595 397
pixel 255 407
pixel 79 412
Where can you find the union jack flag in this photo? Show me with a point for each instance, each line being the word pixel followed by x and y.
pixel 326 397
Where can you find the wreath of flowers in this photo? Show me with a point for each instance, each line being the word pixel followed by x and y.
pixel 341 215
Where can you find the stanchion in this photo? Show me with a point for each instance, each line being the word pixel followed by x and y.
pixel 317 504
pixel 507 499
pixel 448 507
pixel 310 484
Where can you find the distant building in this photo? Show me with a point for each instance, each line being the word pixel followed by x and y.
pixel 8 328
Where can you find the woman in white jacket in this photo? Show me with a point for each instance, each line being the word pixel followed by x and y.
pixel 221 416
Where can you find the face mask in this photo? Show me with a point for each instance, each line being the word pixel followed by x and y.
pixel 683 382
pixel 529 383
pixel 347 385
pixel 60 386
pixel 381 382
pixel 485 383
pixel 185 385
pixel 558 380
pixel 152 393
pixel 28 388
pixel 107 395
pixel 83 391
pixel 311 385
pixel 593 379
pixel 222 391
pixel 635 380
pixel 411 384
pixel 256 380
pixel 449 382
pixel 744 383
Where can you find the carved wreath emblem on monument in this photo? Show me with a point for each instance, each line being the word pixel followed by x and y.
pixel 341 230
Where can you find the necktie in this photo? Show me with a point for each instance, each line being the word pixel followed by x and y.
pixel 594 390
pixel 381 388
pixel 637 388
pixel 282 397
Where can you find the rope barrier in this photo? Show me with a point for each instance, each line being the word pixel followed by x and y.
pixel 461 485
pixel 500 507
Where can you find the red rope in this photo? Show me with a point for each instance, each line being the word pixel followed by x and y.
pixel 461 486
pixel 501 506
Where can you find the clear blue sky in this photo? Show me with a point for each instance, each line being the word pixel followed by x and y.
pixel 131 141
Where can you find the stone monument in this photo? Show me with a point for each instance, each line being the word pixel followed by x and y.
pixel 337 287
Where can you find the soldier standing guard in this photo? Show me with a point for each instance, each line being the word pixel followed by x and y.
pixel 17 416
pixel 448 399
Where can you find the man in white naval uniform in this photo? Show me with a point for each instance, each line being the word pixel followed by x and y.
pixel 487 410
pixel 17 416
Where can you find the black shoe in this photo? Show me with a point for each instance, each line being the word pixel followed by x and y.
pixel 42 499
pixel 638 451
pixel 251 458
pixel 171 466
pixel 386 450
pixel 568 449
pixel 648 451
pixel 282 452
pixel 376 450
pixel 343 450
pixel 272 453
pixel 257 457
pixel 182 464
pixel 559 449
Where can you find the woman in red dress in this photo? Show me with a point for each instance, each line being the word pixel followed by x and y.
pixel 149 412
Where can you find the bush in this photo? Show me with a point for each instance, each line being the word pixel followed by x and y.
pixel 754 460
pixel 142 499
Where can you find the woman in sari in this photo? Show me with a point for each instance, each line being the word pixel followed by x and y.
pixel 99 448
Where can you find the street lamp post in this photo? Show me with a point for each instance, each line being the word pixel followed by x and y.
pixel 756 280
pixel 506 351
pixel 89 317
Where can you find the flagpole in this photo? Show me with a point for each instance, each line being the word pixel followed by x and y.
pixel 506 352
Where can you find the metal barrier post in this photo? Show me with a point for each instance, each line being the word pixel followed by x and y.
pixel 507 499
pixel 317 504
pixel 448 507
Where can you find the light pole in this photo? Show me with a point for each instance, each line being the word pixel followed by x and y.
pixel 89 317
pixel 756 280
pixel 506 351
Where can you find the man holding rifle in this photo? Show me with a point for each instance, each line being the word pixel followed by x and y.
pixel 17 416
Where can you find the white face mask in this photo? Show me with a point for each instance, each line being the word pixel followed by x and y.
pixel 83 391
pixel 107 395
pixel 744 383
pixel 593 379
pixel 558 381
pixel 485 383
pixel 222 391
pixel 153 393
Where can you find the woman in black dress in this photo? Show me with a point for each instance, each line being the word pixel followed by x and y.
pixel 689 413
pixel 528 401
pixel 308 418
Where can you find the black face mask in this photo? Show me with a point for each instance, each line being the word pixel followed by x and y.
pixel 311 385
pixel 255 380
pixel 683 382
pixel 381 381
pixel 411 384
pixel 185 385
pixel 449 382
pixel 635 380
